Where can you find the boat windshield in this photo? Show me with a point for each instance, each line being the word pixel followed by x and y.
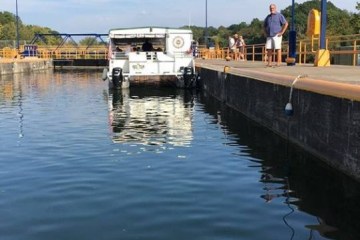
pixel 136 41
pixel 158 44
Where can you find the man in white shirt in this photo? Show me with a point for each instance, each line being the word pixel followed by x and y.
pixel 232 45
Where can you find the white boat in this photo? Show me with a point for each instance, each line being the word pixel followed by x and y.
pixel 151 55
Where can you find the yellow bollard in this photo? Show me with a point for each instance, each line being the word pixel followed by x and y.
pixel 322 58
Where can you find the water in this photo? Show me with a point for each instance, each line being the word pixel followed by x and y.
pixel 80 162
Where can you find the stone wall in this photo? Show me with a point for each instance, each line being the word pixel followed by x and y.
pixel 326 126
pixel 24 65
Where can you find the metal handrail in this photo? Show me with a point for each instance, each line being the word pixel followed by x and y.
pixel 306 49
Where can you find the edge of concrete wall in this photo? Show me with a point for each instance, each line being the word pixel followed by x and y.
pixel 24 65
pixel 326 119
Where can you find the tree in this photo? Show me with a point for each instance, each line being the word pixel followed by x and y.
pixel 198 32
pixel 7 17
pixel 254 33
pixel 237 28
pixel 339 22
pixel 355 19
pixel 8 31
pixel 223 35
pixel 301 15
pixel 7 23
pixel 8 27
pixel 88 41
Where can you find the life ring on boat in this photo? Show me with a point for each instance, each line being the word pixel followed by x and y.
pixel 178 42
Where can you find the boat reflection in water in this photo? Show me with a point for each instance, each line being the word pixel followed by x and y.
pixel 151 117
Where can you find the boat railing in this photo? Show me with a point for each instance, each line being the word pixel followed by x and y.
pixel 152 56
pixel 120 56
pixel 181 54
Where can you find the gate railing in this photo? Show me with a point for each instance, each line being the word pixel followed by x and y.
pixel 344 50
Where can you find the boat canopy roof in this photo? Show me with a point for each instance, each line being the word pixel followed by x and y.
pixel 146 32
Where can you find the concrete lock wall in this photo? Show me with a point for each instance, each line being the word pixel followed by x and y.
pixel 326 126
pixel 24 65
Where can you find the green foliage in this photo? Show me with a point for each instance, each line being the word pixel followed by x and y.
pixel 301 15
pixel 355 19
pixel 88 41
pixel 254 33
pixel 26 32
pixel 198 32
pixel 8 31
pixel 339 22
pixel 7 18
pixel 222 36
pixel 7 26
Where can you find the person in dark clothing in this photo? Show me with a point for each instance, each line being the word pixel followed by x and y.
pixel 147 46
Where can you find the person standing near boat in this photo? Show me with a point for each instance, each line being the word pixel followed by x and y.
pixel 240 44
pixel 232 45
pixel 275 26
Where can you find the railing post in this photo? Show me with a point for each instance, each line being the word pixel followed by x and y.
pixel 300 52
pixel 327 44
pixel 354 54
pixel 253 53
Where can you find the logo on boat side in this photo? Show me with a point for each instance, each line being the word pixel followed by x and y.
pixel 178 42
pixel 138 66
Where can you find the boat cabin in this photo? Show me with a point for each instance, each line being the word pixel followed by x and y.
pixel 161 56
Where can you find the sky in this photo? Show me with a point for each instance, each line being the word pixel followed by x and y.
pixel 98 16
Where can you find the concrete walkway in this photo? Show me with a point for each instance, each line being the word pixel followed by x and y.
pixel 335 73
pixel 337 80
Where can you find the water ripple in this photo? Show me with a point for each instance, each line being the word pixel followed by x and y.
pixel 80 162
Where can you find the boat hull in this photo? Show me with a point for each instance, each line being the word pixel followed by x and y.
pixel 156 81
